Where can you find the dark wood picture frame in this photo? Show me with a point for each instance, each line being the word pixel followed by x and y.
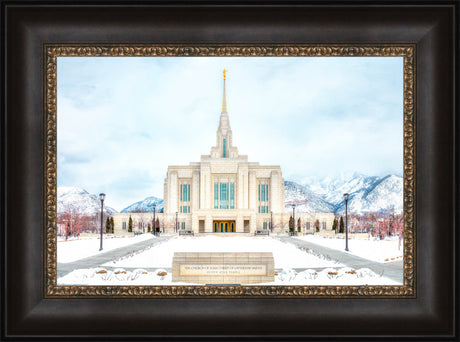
pixel 28 26
pixel 408 52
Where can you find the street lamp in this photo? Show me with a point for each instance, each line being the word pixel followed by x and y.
pixel 345 196
pixel 154 222
pixel 101 197
pixel 271 221
pixel 175 230
pixel 293 220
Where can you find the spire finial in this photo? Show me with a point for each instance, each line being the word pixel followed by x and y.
pixel 224 97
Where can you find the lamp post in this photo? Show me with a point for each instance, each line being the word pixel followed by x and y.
pixel 345 196
pixel 175 229
pixel 154 222
pixel 271 221
pixel 101 197
pixel 293 220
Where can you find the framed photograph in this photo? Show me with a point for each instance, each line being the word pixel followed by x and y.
pixel 252 172
pixel 227 220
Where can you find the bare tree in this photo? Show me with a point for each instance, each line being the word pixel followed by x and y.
pixel 73 221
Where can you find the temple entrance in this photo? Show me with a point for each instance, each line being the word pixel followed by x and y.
pixel 224 226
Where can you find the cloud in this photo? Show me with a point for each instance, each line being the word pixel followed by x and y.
pixel 122 121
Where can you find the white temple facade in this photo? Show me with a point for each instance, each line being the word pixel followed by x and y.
pixel 222 193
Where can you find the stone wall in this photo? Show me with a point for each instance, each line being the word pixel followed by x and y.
pixel 192 221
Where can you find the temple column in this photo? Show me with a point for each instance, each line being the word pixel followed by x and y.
pixel 195 227
pixel 274 192
pixel 208 224
pixel 172 192
pixel 195 188
pixel 205 176
pixel 252 190
pixel 253 223
pixel 242 199
pixel 239 224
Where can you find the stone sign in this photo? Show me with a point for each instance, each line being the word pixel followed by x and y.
pixel 223 268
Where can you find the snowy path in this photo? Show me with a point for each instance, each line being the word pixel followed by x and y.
pixel 73 250
pixel 376 250
pixel 285 255
pixel 140 263
pixel 393 270
pixel 97 260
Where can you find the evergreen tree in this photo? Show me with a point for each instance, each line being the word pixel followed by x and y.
pixel 291 224
pixel 317 226
pixel 107 225
pixel 334 225
pixel 112 225
pixel 130 224
pixel 299 224
pixel 342 226
pixel 157 225
pixel 148 228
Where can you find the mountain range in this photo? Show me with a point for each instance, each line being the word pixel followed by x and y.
pixel 145 205
pixel 366 194
pixel 80 199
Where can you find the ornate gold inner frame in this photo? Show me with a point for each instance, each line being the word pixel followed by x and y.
pixel 52 290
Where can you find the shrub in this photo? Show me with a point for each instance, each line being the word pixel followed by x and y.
pixel 130 224
pixel 334 225
pixel 342 226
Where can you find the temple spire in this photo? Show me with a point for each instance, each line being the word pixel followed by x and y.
pixel 224 147
pixel 224 97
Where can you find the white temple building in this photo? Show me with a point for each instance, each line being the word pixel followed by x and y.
pixel 222 193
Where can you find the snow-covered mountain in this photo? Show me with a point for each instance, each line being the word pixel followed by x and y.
pixel 80 199
pixel 385 194
pixel 332 189
pixel 145 205
pixel 367 193
pixel 305 200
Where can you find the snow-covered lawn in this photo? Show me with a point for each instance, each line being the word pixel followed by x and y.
pixel 375 250
pixel 319 270
pixel 286 255
pixel 76 249
pixel 329 276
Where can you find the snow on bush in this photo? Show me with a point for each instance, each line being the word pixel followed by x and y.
pixel 327 276
pixel 331 276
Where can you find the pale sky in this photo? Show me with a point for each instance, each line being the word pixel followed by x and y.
pixel 123 120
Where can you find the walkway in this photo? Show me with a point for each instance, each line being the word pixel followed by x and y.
pixel 391 270
pixel 100 259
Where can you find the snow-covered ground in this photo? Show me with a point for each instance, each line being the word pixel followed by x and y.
pixel 286 255
pixel 375 250
pixel 76 249
pixel 319 270
pixel 329 276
